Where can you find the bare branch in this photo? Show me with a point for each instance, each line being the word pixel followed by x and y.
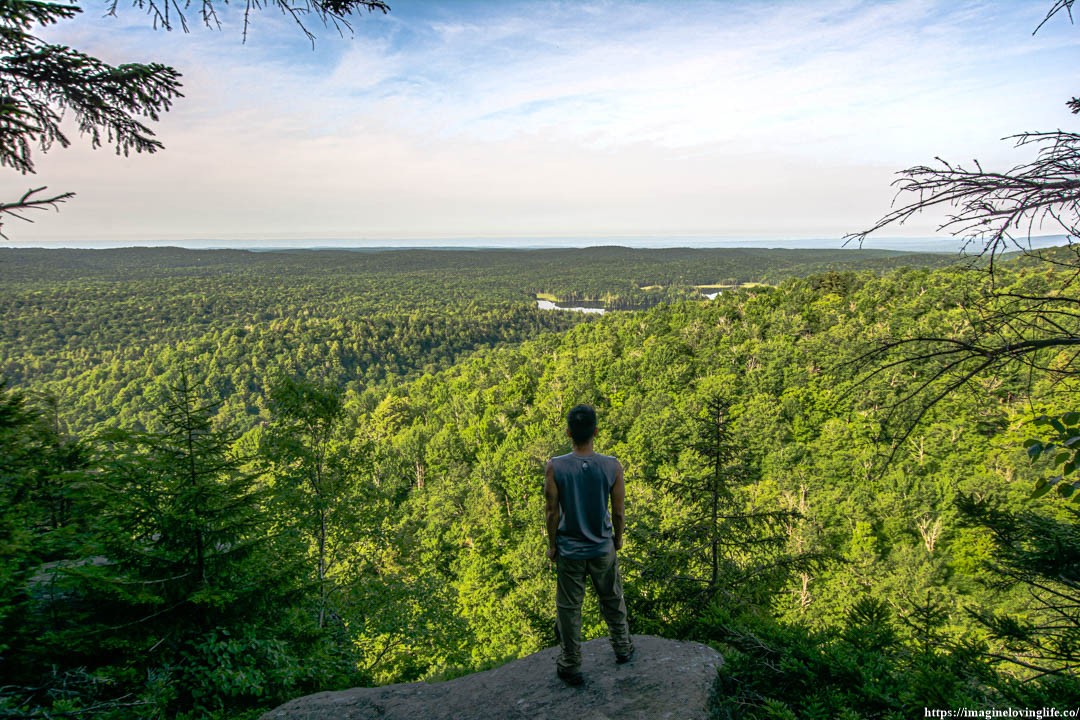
pixel 169 14
pixel 995 207
pixel 29 202
pixel 1057 7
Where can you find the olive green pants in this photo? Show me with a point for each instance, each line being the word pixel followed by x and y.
pixel 570 592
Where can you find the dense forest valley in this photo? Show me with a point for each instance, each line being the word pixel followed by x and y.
pixel 229 478
pixel 98 326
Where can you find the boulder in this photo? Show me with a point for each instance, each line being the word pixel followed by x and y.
pixel 665 679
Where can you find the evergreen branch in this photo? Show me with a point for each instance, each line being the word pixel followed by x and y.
pixel 39 83
pixel 101 707
pixel 1041 671
pixel 159 613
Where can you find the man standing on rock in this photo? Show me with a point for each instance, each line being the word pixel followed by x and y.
pixel 584 538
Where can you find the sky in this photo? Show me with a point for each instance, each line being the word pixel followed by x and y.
pixel 455 121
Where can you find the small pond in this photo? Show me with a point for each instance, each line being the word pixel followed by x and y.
pixel 597 308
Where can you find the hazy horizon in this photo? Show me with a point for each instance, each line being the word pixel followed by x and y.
pixel 908 244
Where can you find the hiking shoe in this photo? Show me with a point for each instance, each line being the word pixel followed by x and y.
pixel 621 658
pixel 570 677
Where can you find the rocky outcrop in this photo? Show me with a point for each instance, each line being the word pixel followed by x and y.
pixel 665 679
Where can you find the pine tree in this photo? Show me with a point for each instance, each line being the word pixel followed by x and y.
pixel 722 547
pixel 183 560
pixel 17 557
pixel 44 521
pixel 190 508
pixel 1040 555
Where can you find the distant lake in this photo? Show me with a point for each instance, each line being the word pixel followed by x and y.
pixel 585 307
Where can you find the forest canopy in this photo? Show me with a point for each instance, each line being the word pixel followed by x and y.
pixel 208 511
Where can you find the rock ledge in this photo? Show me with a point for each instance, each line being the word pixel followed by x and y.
pixel 666 679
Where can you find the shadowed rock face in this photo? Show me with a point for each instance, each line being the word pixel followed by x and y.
pixel 666 679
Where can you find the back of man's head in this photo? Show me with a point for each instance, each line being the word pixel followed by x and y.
pixel 581 421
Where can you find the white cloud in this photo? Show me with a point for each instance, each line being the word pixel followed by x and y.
pixel 560 119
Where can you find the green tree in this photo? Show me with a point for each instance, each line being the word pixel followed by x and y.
pixel 18 451
pixel 1041 555
pixel 1012 325
pixel 44 519
pixel 722 544
pixel 314 478
pixel 184 552
pixel 1018 322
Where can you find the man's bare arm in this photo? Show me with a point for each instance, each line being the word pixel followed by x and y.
pixel 618 512
pixel 551 497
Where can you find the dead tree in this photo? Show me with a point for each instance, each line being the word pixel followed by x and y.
pixel 994 212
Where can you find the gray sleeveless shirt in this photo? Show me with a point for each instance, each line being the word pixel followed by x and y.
pixel 584 483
